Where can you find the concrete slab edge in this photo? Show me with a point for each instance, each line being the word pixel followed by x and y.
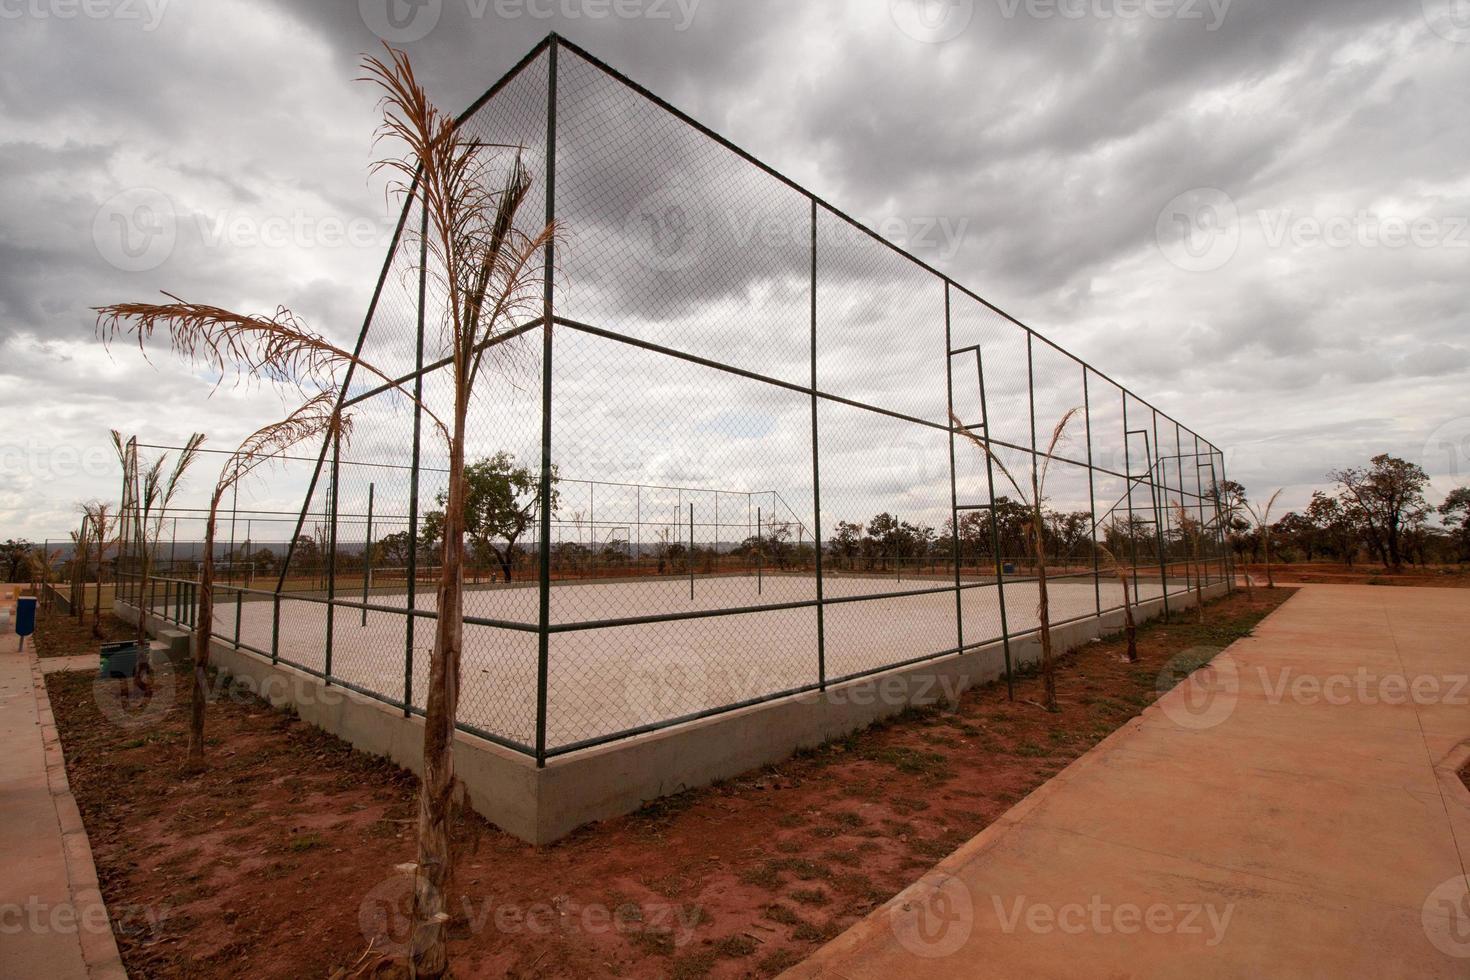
pixel 99 947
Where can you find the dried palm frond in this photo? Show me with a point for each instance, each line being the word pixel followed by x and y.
pixel 316 417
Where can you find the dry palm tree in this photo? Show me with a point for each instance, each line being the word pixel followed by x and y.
pixel 1036 527
pixel 1130 628
pixel 317 417
pixel 145 504
pixel 487 271
pixel 1262 520
pixel 101 521
pixel 77 567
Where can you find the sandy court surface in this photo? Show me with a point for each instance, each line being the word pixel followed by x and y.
pixel 610 679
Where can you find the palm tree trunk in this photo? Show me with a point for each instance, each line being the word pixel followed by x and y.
pixel 203 627
pixel 1130 629
pixel 1043 613
pixel 97 598
pixel 430 953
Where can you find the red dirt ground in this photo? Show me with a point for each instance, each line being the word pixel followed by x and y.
pixel 58 634
pixel 278 861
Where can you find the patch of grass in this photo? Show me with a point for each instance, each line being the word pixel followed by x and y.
pixel 908 805
pixel 1031 750
pixel 811 896
pixel 777 912
pixel 913 762
pixel 804 868
pixel 305 842
pixel 734 946
pixel 778 961
pixel 654 942
pixel 807 932
pixel 692 966
pixel 765 875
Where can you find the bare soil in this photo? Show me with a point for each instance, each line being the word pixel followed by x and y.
pixel 58 634
pixel 278 861
pixel 1323 573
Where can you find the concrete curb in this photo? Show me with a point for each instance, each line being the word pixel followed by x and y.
pixel 99 947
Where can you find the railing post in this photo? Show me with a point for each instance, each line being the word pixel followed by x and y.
pixel 275 627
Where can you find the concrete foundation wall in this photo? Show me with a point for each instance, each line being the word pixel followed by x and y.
pixel 542 805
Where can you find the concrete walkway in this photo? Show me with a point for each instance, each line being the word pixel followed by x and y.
pixel 1290 811
pixel 53 924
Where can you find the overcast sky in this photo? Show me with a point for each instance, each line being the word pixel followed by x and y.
pixel 1255 214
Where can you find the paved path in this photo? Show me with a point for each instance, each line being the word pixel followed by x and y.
pixel 1289 812
pixel 53 925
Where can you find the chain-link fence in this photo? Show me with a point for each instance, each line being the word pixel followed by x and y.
pixel 742 402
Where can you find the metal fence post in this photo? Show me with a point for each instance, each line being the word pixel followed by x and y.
pixel 817 471
pixel 548 297
pixel 332 554
pixel 1000 578
pixel 1091 493
pixel 954 499
pixel 367 554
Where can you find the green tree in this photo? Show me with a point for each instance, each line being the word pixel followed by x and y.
pixel 1385 496
pixel 15 556
pixel 1455 513
pixel 501 503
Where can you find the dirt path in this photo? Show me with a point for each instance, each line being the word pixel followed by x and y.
pixel 1295 812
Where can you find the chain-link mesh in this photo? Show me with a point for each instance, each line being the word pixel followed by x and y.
pixel 756 488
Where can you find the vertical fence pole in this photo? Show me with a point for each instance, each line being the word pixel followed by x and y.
pixel 760 551
pixel 1000 578
pixel 234 511
pixel 275 627
pixel 548 299
pixel 954 499
pixel 239 603
pixel 367 553
pixel 1128 485
pixel 332 555
pixel 817 472
pixel 1091 493
pixel 1159 516
pixel 691 551
pixel 413 476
